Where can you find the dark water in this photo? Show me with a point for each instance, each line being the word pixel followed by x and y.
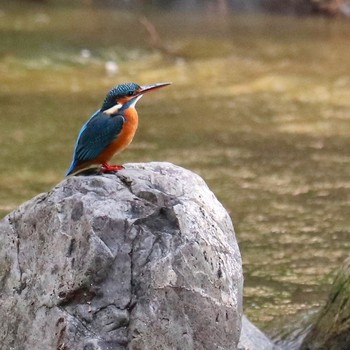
pixel 259 106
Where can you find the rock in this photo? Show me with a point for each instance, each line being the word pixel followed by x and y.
pixel 252 338
pixel 142 259
pixel 331 329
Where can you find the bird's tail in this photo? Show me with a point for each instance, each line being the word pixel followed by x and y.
pixel 71 169
pixel 76 169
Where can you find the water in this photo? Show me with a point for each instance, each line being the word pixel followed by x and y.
pixel 259 107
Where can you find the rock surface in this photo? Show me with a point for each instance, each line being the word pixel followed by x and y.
pixel 253 338
pixel 143 259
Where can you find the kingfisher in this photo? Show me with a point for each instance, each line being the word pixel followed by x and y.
pixel 110 129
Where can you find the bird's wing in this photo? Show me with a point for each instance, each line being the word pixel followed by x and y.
pixel 98 132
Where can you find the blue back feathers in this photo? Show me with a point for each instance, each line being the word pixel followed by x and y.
pixel 95 135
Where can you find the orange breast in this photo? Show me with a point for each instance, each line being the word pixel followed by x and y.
pixel 123 139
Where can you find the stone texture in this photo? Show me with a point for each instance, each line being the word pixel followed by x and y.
pixel 142 259
pixel 252 338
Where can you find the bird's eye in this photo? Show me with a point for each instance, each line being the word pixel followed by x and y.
pixel 130 93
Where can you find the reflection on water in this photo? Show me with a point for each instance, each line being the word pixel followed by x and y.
pixel 259 106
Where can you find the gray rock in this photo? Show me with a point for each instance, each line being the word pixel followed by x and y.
pixel 252 338
pixel 142 259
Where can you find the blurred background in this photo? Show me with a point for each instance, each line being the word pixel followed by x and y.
pixel 259 107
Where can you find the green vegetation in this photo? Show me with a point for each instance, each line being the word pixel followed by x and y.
pixel 332 326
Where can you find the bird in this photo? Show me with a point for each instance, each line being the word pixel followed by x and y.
pixel 110 129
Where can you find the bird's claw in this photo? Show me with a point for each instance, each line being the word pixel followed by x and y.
pixel 107 168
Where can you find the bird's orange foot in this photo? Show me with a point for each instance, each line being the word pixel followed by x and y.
pixel 107 168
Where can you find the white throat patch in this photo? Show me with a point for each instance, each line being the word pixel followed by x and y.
pixel 135 101
pixel 114 109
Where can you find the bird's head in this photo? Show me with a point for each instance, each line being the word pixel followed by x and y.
pixel 126 95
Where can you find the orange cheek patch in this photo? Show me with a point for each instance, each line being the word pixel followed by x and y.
pixel 122 100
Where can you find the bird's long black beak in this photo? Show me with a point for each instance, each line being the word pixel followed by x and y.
pixel 151 87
